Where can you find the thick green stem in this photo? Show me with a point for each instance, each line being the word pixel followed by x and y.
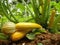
pixel 54 28
pixel 45 11
pixel 48 10
pixel 36 11
pixel 13 16
pixel 29 9
pixel 4 11
pixel 11 13
pixel 52 17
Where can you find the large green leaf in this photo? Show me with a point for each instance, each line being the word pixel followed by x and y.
pixel 30 36
pixel 20 6
pixel 3 36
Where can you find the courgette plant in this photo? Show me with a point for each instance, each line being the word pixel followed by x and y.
pixel 40 12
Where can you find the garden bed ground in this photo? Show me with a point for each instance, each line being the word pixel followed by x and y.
pixel 43 39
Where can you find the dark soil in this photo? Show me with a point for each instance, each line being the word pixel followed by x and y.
pixel 44 39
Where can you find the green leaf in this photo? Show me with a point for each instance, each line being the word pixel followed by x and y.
pixel 20 6
pixel 36 11
pixel 40 44
pixel 39 31
pixel 54 28
pixel 30 36
pixel 3 36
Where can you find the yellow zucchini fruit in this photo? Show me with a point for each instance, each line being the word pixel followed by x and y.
pixel 17 36
pixel 27 26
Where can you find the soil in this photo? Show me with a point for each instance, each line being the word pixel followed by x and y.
pixel 43 39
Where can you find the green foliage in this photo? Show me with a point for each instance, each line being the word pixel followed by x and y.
pixel 55 25
pixel 4 8
pixel 55 5
pixel 37 11
pixel 3 36
pixel 31 35
pixel 20 6
pixel 40 44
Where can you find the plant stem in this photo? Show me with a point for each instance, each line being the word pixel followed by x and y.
pixel 48 10
pixel 36 11
pixel 1 22
pixel 29 20
pixel 54 28
pixel 29 9
pixel 53 22
pixel 52 17
pixel 44 14
pixel 11 13
pixel 6 13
